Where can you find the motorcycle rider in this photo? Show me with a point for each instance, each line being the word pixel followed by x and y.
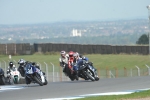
pixel 36 65
pixel 80 56
pixel 79 62
pixel 21 61
pixel 38 68
pixel 71 62
pixel 10 68
pixel 63 60
pixel 32 64
pixel 21 68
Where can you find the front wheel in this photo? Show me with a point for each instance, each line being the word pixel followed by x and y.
pixel 16 80
pixel 11 81
pixel 38 81
pixel 88 73
pixel 2 80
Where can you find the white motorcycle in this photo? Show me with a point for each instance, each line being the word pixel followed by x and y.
pixel 14 76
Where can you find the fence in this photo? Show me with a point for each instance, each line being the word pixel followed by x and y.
pixel 55 74
pixel 26 48
pixel 91 49
pixel 14 49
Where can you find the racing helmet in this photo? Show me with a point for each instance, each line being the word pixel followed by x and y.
pixel 71 54
pixel 62 53
pixel 11 64
pixel 21 62
pixel 76 54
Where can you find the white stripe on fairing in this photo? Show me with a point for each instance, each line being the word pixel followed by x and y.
pixel 97 94
pixel 3 88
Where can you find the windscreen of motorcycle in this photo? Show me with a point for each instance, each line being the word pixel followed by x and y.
pixel 29 69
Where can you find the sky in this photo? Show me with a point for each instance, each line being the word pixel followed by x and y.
pixel 50 11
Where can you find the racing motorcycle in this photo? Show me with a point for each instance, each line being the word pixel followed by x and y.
pixel 2 77
pixel 14 76
pixel 87 71
pixel 34 75
pixel 70 73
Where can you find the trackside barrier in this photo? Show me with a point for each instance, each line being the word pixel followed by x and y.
pixel 148 69
pixel 111 74
pixel 53 71
pixel 46 71
pixel 138 70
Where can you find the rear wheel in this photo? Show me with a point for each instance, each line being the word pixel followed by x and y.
pixel 28 81
pixel 96 78
pixel 45 83
pixel 68 71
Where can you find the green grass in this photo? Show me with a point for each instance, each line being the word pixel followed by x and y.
pixel 136 95
pixel 100 61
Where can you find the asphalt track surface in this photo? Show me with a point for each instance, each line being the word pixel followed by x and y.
pixel 75 88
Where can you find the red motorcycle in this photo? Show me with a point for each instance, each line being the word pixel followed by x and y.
pixel 69 69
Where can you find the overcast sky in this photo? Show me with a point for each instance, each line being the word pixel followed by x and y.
pixel 46 11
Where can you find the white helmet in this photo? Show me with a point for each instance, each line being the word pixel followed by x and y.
pixel 76 54
pixel 63 52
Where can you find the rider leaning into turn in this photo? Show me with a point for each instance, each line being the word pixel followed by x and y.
pixel 79 60
pixel 21 63
pixel 71 62
pixel 63 60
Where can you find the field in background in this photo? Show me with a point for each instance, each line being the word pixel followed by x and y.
pixel 100 61
pixel 121 65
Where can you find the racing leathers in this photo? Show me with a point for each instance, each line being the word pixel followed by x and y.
pixel 63 63
pixel 10 69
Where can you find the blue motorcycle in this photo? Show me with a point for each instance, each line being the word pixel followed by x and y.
pixel 2 77
pixel 87 71
pixel 32 75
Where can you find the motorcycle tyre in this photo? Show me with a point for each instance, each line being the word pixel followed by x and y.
pixel 2 80
pixel 16 80
pixel 38 81
pixel 11 81
pixel 90 76
pixel 45 83
pixel 28 81
pixel 96 78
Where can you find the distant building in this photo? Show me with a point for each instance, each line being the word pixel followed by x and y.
pixel 76 32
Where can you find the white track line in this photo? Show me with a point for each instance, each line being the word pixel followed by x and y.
pixel 4 88
pixel 97 94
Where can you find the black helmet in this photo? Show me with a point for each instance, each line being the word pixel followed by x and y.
pixel 11 64
pixel 33 63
